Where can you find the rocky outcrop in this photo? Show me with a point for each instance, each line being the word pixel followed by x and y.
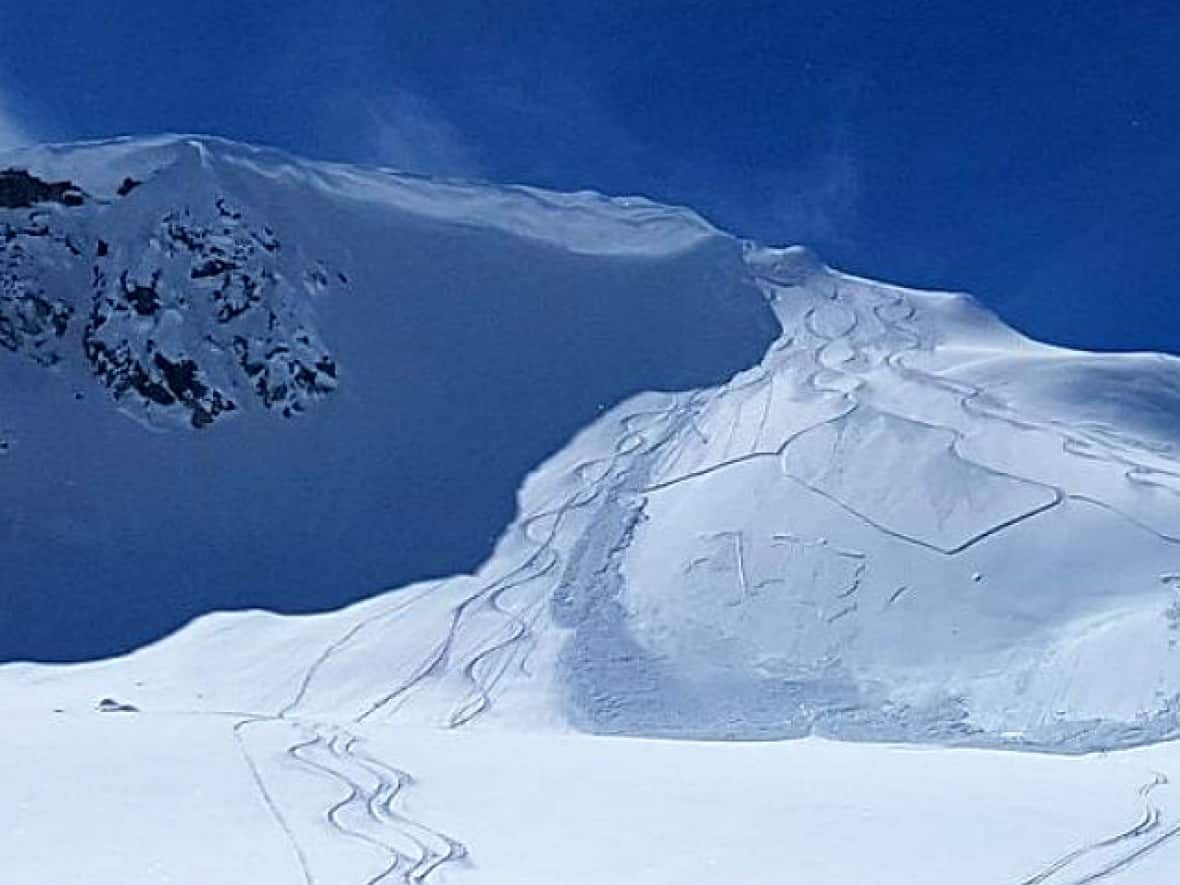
pixel 181 314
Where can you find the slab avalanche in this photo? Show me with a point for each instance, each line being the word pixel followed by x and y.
pixel 906 522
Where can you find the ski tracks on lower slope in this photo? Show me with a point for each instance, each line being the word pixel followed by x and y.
pixel 1104 859
pixel 367 810
pixel 267 799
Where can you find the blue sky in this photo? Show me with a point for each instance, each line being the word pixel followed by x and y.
pixel 1029 153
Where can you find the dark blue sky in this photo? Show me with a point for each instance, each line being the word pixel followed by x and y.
pixel 1029 153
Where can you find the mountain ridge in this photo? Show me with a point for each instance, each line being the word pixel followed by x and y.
pixel 853 519
pixel 215 296
pixel 889 445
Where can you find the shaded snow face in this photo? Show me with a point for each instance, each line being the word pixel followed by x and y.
pixel 228 382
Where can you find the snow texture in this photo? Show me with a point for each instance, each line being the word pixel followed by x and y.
pixel 904 523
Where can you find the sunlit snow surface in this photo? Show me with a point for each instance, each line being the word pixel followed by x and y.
pixel 905 524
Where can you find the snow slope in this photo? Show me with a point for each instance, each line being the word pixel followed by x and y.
pixel 362 423
pixel 155 798
pixel 904 522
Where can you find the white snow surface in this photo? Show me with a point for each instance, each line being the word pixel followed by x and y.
pixel 172 799
pixel 907 524
pixel 585 222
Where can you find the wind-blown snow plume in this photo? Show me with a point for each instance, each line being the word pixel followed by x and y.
pixel 12 132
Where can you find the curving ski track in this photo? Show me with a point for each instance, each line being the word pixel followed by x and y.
pixel 1128 846
pixel 366 811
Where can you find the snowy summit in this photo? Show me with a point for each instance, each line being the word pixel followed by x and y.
pixel 769 517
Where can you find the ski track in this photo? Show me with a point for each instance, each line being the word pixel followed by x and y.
pixel 376 806
pixel 1131 845
pixel 968 396
pixel 370 788
pixel 329 750
pixel 268 800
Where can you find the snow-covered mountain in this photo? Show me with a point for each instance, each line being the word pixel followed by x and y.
pixel 854 511
pixel 348 374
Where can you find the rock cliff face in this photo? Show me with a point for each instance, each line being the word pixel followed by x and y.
pixel 180 313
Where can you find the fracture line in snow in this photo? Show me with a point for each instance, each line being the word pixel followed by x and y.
pixel 1073 441
pixel 970 542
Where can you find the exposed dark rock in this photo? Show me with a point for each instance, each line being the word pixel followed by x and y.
pixel 165 382
pixel 181 377
pixel 20 190
pixel 226 211
pixel 110 705
pixel 145 300
pixel 145 304
pixel 128 185
pixel 28 321
pixel 214 267
pixel 284 381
